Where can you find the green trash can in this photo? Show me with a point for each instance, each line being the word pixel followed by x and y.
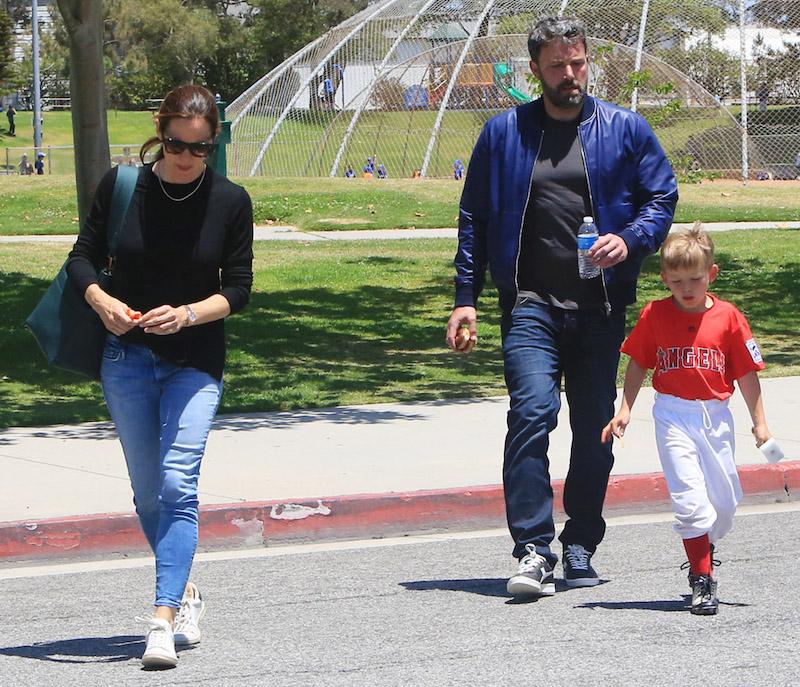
pixel 219 161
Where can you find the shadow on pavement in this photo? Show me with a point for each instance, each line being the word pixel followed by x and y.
pixel 663 605
pixel 81 650
pixel 485 586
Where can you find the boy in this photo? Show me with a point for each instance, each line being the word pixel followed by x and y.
pixel 697 346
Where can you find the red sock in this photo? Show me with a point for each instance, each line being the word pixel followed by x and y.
pixel 698 550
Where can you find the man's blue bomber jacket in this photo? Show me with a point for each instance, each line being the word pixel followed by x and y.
pixel 632 191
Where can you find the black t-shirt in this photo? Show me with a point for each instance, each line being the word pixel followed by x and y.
pixel 174 253
pixel 559 200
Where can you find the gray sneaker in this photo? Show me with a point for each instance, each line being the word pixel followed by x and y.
pixel 534 576
pixel 187 620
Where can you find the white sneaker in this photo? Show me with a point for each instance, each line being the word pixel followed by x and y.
pixel 160 649
pixel 187 621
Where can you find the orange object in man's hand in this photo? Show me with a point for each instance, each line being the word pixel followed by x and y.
pixel 462 338
pixel 133 314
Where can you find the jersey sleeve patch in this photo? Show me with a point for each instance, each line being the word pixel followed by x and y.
pixel 753 349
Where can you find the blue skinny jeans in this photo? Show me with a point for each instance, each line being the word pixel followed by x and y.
pixel 163 414
pixel 541 345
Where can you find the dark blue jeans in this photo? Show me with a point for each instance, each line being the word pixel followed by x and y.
pixel 542 344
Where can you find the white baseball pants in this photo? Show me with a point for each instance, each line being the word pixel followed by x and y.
pixel 696 448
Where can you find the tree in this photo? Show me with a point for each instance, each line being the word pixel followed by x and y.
pixel 715 70
pixel 18 10
pixel 83 20
pixel 6 40
pixel 282 27
pixel 668 21
pixel 781 14
pixel 152 46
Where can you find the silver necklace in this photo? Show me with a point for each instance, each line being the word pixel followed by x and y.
pixel 188 195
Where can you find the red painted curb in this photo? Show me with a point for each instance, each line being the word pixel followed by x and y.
pixel 344 517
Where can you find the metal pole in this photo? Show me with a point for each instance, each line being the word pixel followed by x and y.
pixel 450 86
pixel 37 100
pixel 743 77
pixel 639 50
pixel 367 93
pixel 310 79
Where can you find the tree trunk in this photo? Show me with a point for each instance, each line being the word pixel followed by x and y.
pixel 84 23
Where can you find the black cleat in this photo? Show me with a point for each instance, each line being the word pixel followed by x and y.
pixel 704 595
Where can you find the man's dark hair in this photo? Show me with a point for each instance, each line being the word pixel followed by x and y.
pixel 548 29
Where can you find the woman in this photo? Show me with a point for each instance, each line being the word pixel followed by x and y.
pixel 183 263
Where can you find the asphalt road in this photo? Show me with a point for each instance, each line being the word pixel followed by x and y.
pixel 429 611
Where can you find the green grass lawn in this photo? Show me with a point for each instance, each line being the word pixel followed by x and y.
pixel 47 204
pixel 124 128
pixel 363 322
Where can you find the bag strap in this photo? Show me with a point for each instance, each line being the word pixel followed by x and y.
pixel 124 186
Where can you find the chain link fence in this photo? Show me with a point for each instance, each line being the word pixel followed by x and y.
pixel 403 88
pixel 57 159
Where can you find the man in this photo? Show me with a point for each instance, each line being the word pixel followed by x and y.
pixel 11 112
pixel 535 172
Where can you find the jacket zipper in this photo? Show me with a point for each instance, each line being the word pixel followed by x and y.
pixel 591 204
pixel 524 214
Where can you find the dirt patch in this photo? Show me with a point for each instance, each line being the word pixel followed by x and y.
pixel 767 183
pixel 342 221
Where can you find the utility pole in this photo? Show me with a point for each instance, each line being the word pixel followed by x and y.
pixel 37 95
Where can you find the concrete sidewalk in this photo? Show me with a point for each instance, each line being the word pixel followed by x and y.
pixel 341 472
pixel 288 233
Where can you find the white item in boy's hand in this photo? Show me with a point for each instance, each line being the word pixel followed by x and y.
pixel 772 452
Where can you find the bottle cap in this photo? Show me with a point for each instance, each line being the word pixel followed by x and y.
pixel 772 452
pixel 588 220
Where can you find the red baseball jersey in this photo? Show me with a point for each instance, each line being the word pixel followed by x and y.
pixel 696 356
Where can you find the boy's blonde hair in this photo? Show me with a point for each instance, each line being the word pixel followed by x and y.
pixel 688 249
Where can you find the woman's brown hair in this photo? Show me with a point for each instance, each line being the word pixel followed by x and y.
pixel 185 102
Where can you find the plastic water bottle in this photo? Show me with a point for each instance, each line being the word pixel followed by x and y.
pixel 587 235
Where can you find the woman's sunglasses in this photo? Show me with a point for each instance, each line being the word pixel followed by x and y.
pixel 174 146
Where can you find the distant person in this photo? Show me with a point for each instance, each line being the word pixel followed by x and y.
pixel 458 170
pixel 416 174
pixel 382 173
pixel 329 91
pixel 127 157
pixel 39 164
pixel 349 172
pixel 25 167
pixel 762 94
pixel 370 166
pixel 184 263
pixel 697 346
pixel 797 163
pixel 11 112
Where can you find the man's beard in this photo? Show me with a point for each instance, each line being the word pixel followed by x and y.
pixel 565 99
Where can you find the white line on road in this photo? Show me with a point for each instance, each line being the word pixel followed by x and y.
pixel 294 549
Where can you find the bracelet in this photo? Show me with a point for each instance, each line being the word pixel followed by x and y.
pixel 191 315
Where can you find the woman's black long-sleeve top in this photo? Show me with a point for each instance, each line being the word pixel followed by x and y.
pixel 173 253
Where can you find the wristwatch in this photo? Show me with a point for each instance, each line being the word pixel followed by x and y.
pixel 190 314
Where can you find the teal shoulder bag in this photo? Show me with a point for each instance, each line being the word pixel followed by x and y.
pixel 71 334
